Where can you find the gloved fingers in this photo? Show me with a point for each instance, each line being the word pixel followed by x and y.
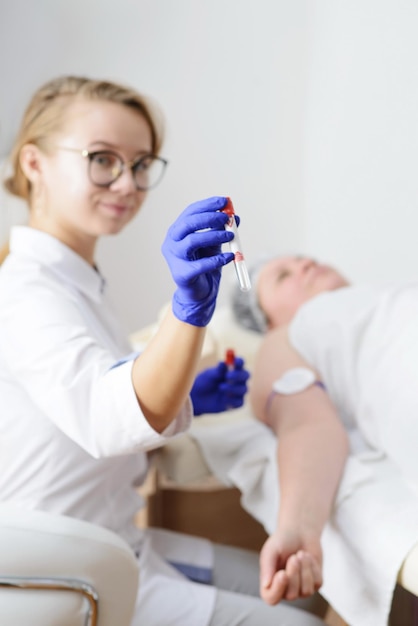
pixel 188 246
pixel 213 203
pixel 184 226
pixel 213 375
pixel 186 272
pixel 233 375
pixel 233 391
pixel 220 370
pixel 236 373
pixel 238 363
pixel 234 402
pixel 197 217
pixel 207 241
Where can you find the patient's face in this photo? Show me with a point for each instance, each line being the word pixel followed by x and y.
pixel 285 283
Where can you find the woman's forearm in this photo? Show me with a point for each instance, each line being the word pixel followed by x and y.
pixel 164 373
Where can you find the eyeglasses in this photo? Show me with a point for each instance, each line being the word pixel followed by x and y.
pixel 105 167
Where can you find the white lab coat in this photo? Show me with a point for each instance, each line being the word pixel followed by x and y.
pixel 73 439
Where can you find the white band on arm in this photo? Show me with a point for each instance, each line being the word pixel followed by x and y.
pixel 293 381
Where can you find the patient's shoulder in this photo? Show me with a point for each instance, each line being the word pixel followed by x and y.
pixel 275 345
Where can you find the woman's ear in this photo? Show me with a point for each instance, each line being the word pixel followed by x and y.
pixel 31 162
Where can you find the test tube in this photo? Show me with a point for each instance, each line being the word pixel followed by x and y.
pixel 235 247
pixel 229 357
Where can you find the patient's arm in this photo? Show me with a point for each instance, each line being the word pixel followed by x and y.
pixel 311 452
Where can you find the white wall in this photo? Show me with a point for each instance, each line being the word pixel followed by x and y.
pixel 361 150
pixel 304 112
pixel 229 77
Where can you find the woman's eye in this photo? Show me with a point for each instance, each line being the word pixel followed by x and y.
pixel 105 160
pixel 144 164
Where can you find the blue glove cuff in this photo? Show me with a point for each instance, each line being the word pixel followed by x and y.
pixel 194 313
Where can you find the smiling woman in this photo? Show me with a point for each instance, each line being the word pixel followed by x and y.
pixel 82 409
pixel 67 198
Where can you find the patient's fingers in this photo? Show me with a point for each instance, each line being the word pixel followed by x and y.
pixel 293 571
pixel 317 572
pixel 301 578
pixel 307 574
pixel 275 592
pixel 311 573
pixel 305 579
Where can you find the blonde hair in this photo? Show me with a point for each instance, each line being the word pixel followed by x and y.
pixel 4 251
pixel 45 113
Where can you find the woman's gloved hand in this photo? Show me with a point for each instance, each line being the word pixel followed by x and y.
pixel 192 249
pixel 220 388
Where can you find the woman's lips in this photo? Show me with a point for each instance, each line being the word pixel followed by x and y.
pixel 113 207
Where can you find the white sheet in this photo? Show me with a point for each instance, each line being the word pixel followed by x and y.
pixel 374 525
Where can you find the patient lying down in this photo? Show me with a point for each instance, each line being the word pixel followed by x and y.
pixel 357 347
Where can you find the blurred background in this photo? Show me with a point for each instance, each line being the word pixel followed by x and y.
pixel 305 113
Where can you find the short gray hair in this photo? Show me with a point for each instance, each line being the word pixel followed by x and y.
pixel 245 305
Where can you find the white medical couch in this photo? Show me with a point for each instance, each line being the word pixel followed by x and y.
pixel 182 493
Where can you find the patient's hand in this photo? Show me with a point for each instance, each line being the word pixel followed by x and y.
pixel 290 567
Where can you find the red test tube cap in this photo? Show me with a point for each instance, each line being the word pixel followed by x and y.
pixel 229 208
pixel 230 357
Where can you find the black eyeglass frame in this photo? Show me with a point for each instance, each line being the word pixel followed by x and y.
pixel 132 165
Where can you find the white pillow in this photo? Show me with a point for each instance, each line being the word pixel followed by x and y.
pixel 222 333
pixel 227 333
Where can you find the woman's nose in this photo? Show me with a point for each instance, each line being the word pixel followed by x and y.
pixel 125 183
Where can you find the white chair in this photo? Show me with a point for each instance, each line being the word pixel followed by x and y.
pixel 408 573
pixel 60 571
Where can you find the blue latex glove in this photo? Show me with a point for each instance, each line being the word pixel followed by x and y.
pixel 220 388
pixel 192 249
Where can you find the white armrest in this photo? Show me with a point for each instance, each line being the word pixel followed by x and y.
pixel 408 574
pixel 37 545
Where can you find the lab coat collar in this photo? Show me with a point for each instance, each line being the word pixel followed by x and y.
pixel 59 258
